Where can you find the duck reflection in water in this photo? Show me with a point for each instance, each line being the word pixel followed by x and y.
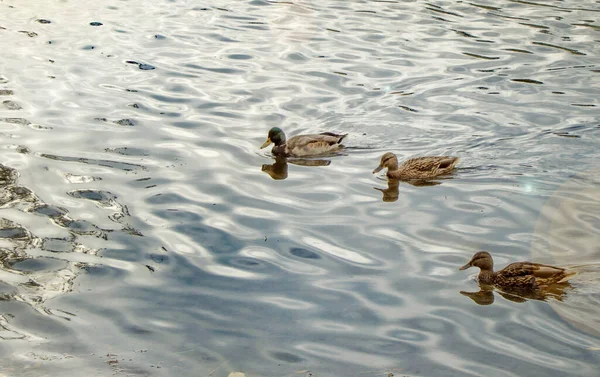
pixel 391 193
pixel 518 281
pixel 279 169
pixel 485 296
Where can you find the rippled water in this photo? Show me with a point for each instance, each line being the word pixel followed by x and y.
pixel 142 231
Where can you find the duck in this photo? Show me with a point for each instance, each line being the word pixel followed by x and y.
pixel 518 276
pixel 303 145
pixel 420 168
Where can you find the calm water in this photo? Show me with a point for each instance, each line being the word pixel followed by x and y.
pixel 143 233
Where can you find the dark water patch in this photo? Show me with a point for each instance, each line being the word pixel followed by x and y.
pixel 38 264
pixel 94 195
pixel 83 227
pixel 6 92
pixel 481 56
pixel 304 253
pixel 11 105
pixel 125 122
pixel 518 50
pixel 168 198
pixel 570 50
pixel 555 6
pixel 597 27
pixel 128 151
pixel 159 258
pixel 22 149
pixel 111 164
pixel 243 263
pixel 566 134
pixel 287 357
pixel 142 66
pixel 227 71
pixel 12 230
pixel 19 121
pixel 239 56
pixel 14 196
pixel 534 25
pixel 216 241
pixel 527 81
pixel 40 127
pixel 8 176
pixel 410 109
pixel 440 10
pixel 58 245
pixel 95 23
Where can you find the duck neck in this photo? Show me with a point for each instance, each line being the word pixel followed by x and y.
pixel 486 276
pixel 392 169
pixel 279 150
pixel 279 139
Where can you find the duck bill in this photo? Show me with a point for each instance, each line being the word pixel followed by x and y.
pixel 465 266
pixel 266 143
pixel 378 169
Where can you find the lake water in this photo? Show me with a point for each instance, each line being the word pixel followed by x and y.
pixel 143 232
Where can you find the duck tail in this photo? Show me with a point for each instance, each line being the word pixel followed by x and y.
pixel 568 275
pixel 448 162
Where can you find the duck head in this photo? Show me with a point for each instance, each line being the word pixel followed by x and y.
pixel 275 136
pixel 389 161
pixel 481 259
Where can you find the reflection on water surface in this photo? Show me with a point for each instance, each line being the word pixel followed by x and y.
pixel 138 236
pixel 279 169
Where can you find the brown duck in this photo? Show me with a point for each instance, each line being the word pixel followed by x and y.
pixel 524 276
pixel 325 143
pixel 420 168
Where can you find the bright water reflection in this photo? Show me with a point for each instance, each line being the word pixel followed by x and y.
pixel 140 235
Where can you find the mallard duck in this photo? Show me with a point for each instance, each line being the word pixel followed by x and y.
pixel 420 168
pixel 303 145
pixel 524 276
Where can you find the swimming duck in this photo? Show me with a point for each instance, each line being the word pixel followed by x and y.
pixel 526 276
pixel 420 168
pixel 303 145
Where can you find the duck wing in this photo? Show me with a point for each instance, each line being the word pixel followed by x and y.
pixel 311 145
pixel 537 270
pixel 430 163
pixel 542 274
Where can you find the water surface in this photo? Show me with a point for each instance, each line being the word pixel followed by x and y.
pixel 142 231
